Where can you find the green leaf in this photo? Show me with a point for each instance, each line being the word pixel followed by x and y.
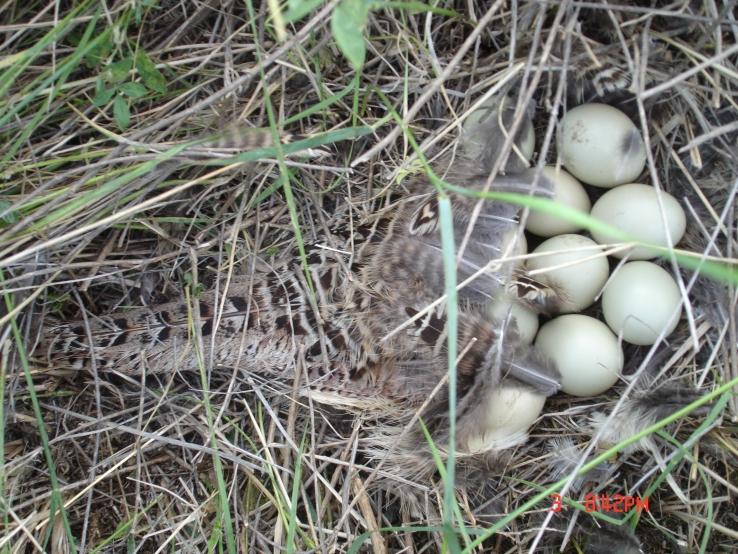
pixel 347 25
pixel 121 112
pixel 118 72
pixel 7 217
pixel 102 94
pixel 102 97
pixel 101 50
pixel 151 77
pixel 134 90
pixel 323 104
pixel 297 9
pixel 412 7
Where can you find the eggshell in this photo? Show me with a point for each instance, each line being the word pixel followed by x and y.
pixel 600 145
pixel 578 269
pixel 568 192
pixel 526 320
pixel 510 412
pixel 634 209
pixel 519 246
pixel 585 351
pixel 640 301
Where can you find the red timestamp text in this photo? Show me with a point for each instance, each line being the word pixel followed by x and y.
pixel 617 503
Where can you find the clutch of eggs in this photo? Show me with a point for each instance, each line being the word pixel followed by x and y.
pixel 641 301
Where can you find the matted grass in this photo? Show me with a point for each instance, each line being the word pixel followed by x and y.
pixel 112 197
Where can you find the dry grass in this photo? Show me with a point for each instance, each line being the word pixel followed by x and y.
pixel 96 215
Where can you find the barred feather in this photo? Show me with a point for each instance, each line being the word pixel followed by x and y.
pixel 384 271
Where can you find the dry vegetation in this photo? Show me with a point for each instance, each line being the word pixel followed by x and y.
pixel 99 213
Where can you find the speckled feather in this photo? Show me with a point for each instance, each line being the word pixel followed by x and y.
pixel 382 272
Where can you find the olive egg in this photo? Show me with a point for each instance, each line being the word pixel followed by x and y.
pixel 585 351
pixel 574 266
pixel 641 301
pixel 568 192
pixel 600 145
pixel 525 319
pixel 634 209
pixel 508 413
pixel 514 245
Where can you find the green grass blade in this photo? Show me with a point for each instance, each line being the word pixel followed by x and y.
pixel 724 389
pixel 296 478
pixel 710 513
pixel 725 272
pixel 325 103
pixel 299 145
pixel 449 273
pixel 224 512
pixel 37 86
pixel 56 499
pixel 452 314
pixel 124 527
pixel 415 7
pixel 23 59
pixel 85 199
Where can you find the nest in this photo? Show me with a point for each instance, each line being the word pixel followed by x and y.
pixel 99 214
